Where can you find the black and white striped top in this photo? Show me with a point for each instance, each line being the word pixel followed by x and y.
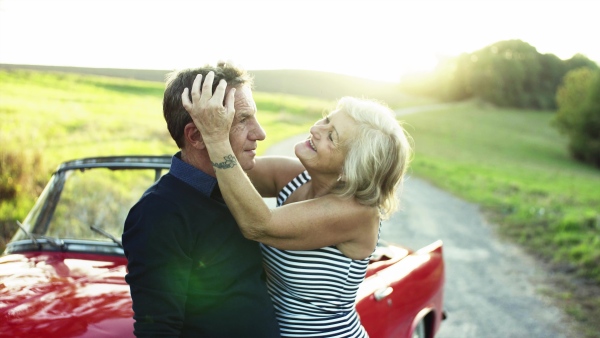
pixel 313 291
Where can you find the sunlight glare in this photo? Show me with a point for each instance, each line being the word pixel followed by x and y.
pixel 376 39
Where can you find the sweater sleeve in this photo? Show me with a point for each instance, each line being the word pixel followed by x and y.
pixel 156 243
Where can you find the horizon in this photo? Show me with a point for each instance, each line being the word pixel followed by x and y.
pixel 25 66
pixel 376 40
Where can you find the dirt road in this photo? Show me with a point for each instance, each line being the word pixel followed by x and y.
pixel 492 287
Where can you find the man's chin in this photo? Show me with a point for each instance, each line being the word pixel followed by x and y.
pixel 247 164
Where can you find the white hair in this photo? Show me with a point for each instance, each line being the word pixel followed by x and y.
pixel 377 157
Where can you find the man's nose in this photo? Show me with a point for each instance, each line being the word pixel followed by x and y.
pixel 258 133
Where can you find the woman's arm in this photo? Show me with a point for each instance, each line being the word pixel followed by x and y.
pixel 309 224
pixel 324 221
pixel 271 173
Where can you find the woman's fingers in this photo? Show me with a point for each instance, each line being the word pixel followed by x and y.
pixel 185 100
pixel 211 114
pixel 196 88
pixel 217 97
pixel 206 94
pixel 229 101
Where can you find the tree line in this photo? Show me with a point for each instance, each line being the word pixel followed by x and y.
pixel 514 74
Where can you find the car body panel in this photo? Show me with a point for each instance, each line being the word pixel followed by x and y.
pixel 393 300
pixel 64 294
pixel 73 285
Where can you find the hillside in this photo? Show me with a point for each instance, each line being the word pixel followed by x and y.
pixel 324 85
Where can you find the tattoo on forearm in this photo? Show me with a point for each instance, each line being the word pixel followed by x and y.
pixel 230 162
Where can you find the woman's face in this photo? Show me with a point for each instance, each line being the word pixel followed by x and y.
pixel 323 151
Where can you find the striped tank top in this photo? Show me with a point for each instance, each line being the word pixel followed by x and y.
pixel 313 291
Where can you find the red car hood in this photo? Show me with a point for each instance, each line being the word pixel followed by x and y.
pixel 55 294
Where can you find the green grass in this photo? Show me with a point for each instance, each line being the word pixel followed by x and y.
pixel 516 166
pixel 68 115
pixel 50 117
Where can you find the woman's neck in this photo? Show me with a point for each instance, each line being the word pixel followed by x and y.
pixel 320 185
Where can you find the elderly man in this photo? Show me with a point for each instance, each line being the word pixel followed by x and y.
pixel 190 270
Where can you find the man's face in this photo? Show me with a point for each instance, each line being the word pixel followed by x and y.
pixel 245 129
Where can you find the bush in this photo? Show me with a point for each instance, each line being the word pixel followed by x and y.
pixel 578 115
pixel 7 230
pixel 22 179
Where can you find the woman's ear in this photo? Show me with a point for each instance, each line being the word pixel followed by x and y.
pixel 341 177
pixel 193 136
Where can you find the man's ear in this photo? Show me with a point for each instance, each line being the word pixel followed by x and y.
pixel 193 137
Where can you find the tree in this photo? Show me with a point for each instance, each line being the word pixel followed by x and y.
pixel 578 115
pixel 552 72
pixel 579 61
pixel 510 73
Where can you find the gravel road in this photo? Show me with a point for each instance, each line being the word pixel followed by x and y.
pixel 492 287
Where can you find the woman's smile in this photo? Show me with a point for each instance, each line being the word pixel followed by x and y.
pixel 311 144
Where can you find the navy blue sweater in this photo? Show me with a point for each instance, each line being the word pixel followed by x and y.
pixel 190 270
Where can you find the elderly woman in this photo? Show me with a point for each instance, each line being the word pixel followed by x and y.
pixel 317 243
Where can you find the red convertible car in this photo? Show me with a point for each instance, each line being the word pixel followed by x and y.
pixel 62 274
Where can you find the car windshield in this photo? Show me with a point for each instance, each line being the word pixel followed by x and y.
pixel 87 204
pixel 98 198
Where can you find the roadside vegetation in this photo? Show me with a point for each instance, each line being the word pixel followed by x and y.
pixel 517 167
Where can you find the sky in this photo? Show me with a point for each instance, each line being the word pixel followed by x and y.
pixel 375 39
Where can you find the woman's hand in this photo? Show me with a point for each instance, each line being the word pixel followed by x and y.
pixel 211 117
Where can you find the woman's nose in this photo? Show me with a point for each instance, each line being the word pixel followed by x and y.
pixel 315 131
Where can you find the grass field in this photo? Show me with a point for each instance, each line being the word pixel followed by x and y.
pixel 48 118
pixel 511 162
pixel 516 167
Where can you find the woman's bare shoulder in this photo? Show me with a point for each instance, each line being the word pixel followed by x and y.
pixel 274 172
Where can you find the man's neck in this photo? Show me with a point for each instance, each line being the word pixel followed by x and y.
pixel 199 160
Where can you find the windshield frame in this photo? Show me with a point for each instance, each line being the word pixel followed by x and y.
pixel 38 219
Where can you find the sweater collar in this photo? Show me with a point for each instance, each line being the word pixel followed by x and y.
pixel 192 176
